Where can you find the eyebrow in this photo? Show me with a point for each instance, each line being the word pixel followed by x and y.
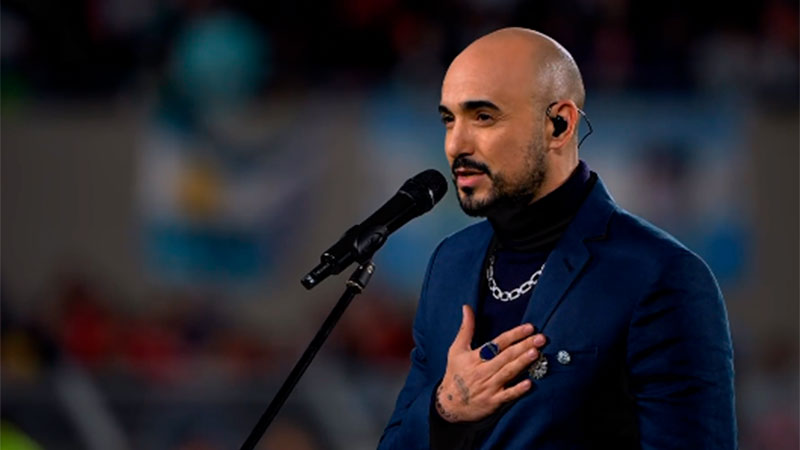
pixel 471 105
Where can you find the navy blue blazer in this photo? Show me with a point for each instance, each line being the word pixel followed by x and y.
pixel 641 316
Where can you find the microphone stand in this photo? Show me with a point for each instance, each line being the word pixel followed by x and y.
pixel 355 285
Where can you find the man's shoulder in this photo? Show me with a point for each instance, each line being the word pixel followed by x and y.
pixel 476 231
pixel 650 245
pixel 466 242
pixel 627 225
pixel 637 231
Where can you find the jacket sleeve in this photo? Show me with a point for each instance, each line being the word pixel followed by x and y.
pixel 408 426
pixel 680 360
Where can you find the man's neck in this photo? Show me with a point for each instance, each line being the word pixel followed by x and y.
pixel 557 175
pixel 539 225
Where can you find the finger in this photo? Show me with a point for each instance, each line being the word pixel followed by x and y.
pixel 507 372
pixel 513 352
pixel 514 392
pixel 463 339
pixel 513 335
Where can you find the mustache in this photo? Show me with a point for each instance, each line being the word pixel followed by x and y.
pixel 466 163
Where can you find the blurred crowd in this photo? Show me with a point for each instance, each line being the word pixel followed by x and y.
pixel 102 47
pixel 175 328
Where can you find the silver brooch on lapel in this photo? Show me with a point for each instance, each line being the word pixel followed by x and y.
pixel 538 369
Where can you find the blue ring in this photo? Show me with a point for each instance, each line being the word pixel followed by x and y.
pixel 488 351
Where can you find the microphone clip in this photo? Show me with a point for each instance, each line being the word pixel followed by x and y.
pixel 357 244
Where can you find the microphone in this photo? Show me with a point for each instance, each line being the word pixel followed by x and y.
pixel 415 197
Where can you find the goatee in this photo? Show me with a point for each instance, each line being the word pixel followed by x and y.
pixel 504 195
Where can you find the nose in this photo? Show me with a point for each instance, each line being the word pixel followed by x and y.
pixel 458 141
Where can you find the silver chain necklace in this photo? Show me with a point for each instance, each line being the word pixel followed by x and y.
pixel 507 296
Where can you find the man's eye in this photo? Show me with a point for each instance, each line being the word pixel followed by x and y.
pixel 447 119
pixel 483 117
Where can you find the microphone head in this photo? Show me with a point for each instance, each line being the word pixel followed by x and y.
pixel 427 188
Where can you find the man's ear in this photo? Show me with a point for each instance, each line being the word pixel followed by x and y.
pixel 563 122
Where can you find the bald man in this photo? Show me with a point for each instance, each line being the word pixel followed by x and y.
pixel 561 321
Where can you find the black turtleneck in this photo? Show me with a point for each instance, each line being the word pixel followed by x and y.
pixel 539 225
pixel 524 237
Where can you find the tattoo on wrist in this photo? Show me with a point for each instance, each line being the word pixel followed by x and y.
pixel 450 417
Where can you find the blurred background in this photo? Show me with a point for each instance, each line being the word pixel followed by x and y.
pixel 171 169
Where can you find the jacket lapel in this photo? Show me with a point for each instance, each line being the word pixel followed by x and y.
pixel 474 267
pixel 464 264
pixel 567 260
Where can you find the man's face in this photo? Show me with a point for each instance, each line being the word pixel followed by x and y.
pixel 494 136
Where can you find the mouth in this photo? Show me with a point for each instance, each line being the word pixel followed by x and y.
pixel 468 177
pixel 467 172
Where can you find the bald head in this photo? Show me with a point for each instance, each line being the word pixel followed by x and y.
pixel 510 104
pixel 528 60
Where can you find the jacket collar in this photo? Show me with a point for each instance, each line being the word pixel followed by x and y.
pixel 564 263
pixel 569 257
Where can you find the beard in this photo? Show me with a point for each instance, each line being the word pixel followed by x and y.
pixel 504 194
